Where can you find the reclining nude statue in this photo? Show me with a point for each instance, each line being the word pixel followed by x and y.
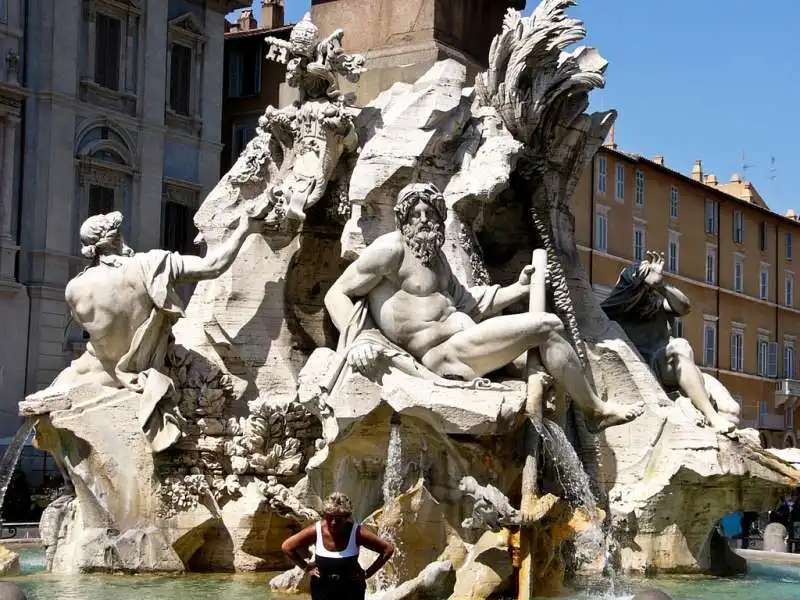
pixel 127 302
pixel 644 306
pixel 403 282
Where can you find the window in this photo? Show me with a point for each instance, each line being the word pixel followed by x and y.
pixel 709 344
pixel 242 134
pixel 101 200
pixel 788 419
pixel 178 228
pixel 673 203
pixel 673 262
pixel 677 327
pixel 620 181
pixel 763 282
pixel 763 356
pixel 601 229
pixel 638 242
pixel 762 236
pixel 711 216
pixel 711 265
pixel 762 411
pixel 107 55
pixel 789 249
pixel 738 227
pixel 602 174
pixel 180 80
pixel 789 361
pixel 767 358
pixel 737 351
pixel 244 73
pixel 738 274
pixel 639 188
pixel 788 289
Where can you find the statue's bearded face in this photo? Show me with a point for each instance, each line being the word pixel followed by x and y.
pixel 423 231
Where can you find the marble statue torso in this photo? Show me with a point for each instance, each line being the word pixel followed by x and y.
pixel 413 304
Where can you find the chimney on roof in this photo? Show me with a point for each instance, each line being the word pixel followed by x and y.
pixel 736 178
pixel 659 159
pixel 711 180
pixel 246 21
pixel 790 214
pixel 697 170
pixel 271 14
pixel 611 141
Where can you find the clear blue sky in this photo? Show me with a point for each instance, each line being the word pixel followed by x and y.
pixel 699 79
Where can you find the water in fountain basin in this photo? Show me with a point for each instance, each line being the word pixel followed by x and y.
pixel 9 461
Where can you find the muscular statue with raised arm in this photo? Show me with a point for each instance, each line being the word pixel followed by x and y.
pixel 419 305
pixel 645 306
pixel 127 302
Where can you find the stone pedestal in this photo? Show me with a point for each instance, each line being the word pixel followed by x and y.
pixel 402 40
pixel 775 536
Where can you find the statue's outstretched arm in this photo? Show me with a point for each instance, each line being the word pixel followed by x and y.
pixel 218 259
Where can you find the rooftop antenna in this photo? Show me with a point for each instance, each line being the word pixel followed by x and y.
pixel 745 165
pixel 773 170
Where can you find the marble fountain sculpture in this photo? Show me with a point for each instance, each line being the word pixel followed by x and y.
pixel 391 305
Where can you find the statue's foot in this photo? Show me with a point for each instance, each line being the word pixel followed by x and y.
pixel 612 414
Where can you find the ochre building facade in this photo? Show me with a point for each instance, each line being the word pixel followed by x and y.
pixel 735 259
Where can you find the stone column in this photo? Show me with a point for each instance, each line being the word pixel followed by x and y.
pixel 8 249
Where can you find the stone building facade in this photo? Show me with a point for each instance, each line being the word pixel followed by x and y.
pixel 733 257
pixel 14 301
pixel 251 83
pixel 123 113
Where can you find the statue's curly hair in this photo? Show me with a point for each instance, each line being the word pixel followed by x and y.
pixel 413 193
pixel 95 232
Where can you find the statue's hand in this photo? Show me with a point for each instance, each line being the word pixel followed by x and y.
pixel 255 225
pixel 655 263
pixel 364 357
pixel 526 274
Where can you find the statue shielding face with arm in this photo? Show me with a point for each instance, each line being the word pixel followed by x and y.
pixel 644 304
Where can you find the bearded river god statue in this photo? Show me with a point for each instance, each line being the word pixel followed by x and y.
pixel 405 284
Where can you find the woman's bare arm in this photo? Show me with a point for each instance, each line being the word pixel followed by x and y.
pixel 384 549
pixel 300 541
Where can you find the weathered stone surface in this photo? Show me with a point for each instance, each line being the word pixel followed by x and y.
pixel 434 582
pixel 112 523
pixel 11 591
pixel 488 569
pixel 293 581
pixel 405 130
pixel 417 524
pixel 9 564
pixel 455 409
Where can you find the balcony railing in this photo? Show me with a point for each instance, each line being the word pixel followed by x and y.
pixel 787 387
pixel 770 421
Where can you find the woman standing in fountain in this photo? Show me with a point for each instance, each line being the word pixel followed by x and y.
pixel 335 572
